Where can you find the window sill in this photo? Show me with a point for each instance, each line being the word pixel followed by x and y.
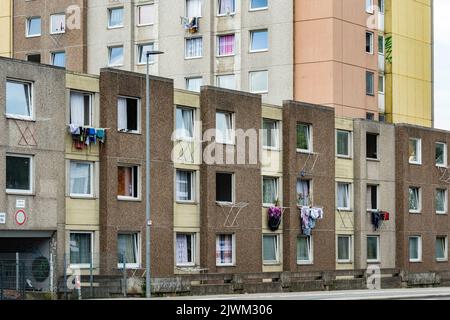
pixel 268 205
pixel 115 27
pixel 20 193
pixel 373 262
pixel 344 157
pixel 193 58
pixel 221 15
pixel 415 261
pixel 193 203
pixel 225 265
pixel 129 132
pixel 81 197
pixel 224 203
pixel 225 56
pixel 23 118
pixel 190 265
pixel 305 263
pixel 260 92
pixel 415 212
pixel 129 199
pixel 305 151
pixel 272 264
pixel 80 266
pixel 184 139
pixel 53 33
pixel 344 210
pixel 33 36
pixel 442 166
pixel 441 260
pixel 345 262
pixel 258 51
pixel 415 163
pixel 277 149
pixel 145 25
pixel 128 266
pixel 145 63
pixel 373 159
pixel 442 213
pixel 226 143
pixel 258 9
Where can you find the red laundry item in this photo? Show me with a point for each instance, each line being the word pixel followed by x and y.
pixel 386 216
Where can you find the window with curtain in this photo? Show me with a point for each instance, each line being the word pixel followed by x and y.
pixel 128 249
pixel 344 248
pixel 18 173
pixel 414 199
pixel 128 182
pixel 194 84
pixel 227 7
pixel 381 79
pixel 415 151
pixel 80 108
pixel 142 53
pixel 343 196
pixel 185 249
pixel 372 197
pixel 146 15
pixel 304 193
pixel 304 249
pixel 270 191
pixel 369 6
pixel 19 99
pixel 59 59
pixel 80 178
pixel 304 141
pixel 115 56
pixel 224 187
pixel 258 4
pixel 370 83
pixel 371 145
pixel 33 27
pixel 369 42
pixel 441 154
pixel 184 123
pixel 259 81
pixel 343 143
pixel 224 127
pixel 225 45
pixel 270 134
pixel 115 19
pixel 81 248
pixel 441 248
pixel 57 23
pixel 224 249
pixel 373 245
pixel 270 249
pixel 259 40
pixel 194 47
pixel 226 81
pixel 128 115
pixel 185 184
pixel 381 44
pixel 193 8
pixel 415 249
pixel 441 201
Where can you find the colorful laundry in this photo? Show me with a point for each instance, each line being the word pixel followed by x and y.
pixel 309 217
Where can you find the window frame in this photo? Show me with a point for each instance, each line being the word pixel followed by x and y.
pixel 377 186
pixel 310 140
pixel 186 9
pixel 251 9
pixel 138 263
pixel 310 186
pixel 383 82
pixel 91 104
pixel 138 8
pixel 371 35
pixel 138 178
pixel 226 75
pixel 110 48
pixel 349 184
pixel 419 249
pixel 27 27
pixel 445 164
pixel 140 48
pixel 83 265
pixel 418 143
pixel 218 55
pixel 233 248
pixel 187 79
pixel 378 257
pixel 226 13
pixel 277 137
pixel 419 210
pixel 186 57
pixel 233 188
pixel 193 183
pixel 277 249
pixel 438 212
pixel 350 249
pixel 178 135
pixel 372 92
pixel 232 130
pixel 445 258
pixel 51 23
pixel 349 144
pixel 369 7
pixel 109 27
pixel 310 250
pixel 30 84
pixel 377 141
pixel 252 32
pixel 193 236
pixel 250 74
pixel 91 180
pixel 31 177
pixel 138 114
pixel 277 190
pixel 52 58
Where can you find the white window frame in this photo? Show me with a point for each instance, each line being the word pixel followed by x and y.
pixel 186 46
pixel 140 48
pixel 31 99
pixel 442 165
pixel 381 52
pixel 418 143
pixel 310 182
pixel 218 55
pixel 349 144
pixel 250 74
pixel 377 141
pixel 378 196
pixel 138 11
pixel 138 131
pixel 350 248
pixel 369 6
pixel 193 187
pixel 372 92
pixel 186 9
pixel 310 249
pixel 252 32
pixel 193 78
pixel 138 263
pixel 193 249
pixel 233 188
pixel 226 75
pixel 377 259
pixel 31 174
pixel 178 135
pixel 109 17
pixel 277 249
pixel 445 258
pixel 310 142
pixel 51 23
pixel 52 58
pixel 445 201
pixel 277 189
pixel 258 8
pixel 383 81
pixel 138 191
pixel 349 208
pixel 371 44
pixel 82 265
pixel 110 48
pixel 91 182
pixel 277 134
pixel 419 249
pixel 226 13
pixel 233 248
pixel 232 130
pixel 91 98
pixel 27 27
pixel 419 210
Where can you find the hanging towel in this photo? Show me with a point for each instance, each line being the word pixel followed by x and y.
pixel 101 135
pixel 74 129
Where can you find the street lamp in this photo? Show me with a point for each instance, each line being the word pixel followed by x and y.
pixel 147 174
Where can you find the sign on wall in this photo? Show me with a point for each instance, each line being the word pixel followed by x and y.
pixel 20 217
pixel 20 203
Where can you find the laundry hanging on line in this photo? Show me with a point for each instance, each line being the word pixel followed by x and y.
pixel 84 136
pixel 309 217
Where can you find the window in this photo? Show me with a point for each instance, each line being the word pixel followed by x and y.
pixel 115 56
pixel 258 4
pixel 81 179
pixel 370 116
pixel 184 123
pixel 185 185
pixel 226 81
pixel 128 115
pixel 194 48
pixel 33 28
pixel 142 53
pixel 381 79
pixel 372 198
pixel 343 143
pixel 381 6
pixel 224 128
pixel 194 84
pixel 185 250
pixel 19 174
pixel 271 254
pixel 415 199
pixel 128 250
pixel 193 8
pixel 259 81
pixel 381 44
pixel 57 23
pixel 304 137
pixel 441 154
pixel 115 18
pixel 227 7
pixel 81 252
pixel 369 83
pixel 372 146
pixel 369 42
pixel 304 250
pixel 441 248
pixel 19 103
pixel 145 15
pixel 225 45
pixel 128 182
pixel 59 59
pixel 304 193
pixel 343 196
pixel 415 151
pixel 34 58
pixel 259 40
pixel 225 250
pixel 369 6
pixel 344 249
pixel 270 134
pixel 224 187
pixel 81 108
pixel 270 191
pixel 373 249
pixel 441 202
pixel 415 249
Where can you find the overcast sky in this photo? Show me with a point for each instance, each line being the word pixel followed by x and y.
pixel 442 64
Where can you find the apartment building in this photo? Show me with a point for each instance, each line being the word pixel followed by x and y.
pixel 6 27
pixel 32 142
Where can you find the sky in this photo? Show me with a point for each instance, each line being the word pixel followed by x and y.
pixel 442 64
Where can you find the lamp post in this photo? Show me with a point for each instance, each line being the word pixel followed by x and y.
pixel 147 174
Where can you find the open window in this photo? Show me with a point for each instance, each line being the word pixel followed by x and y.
pixel 304 138
pixel 81 179
pixel 415 199
pixel 415 151
pixel 224 187
pixel 372 146
pixel 115 18
pixel 128 182
pixel 19 99
pixel 128 115
pixel 343 196
pixel 271 134
pixel 33 28
pixel 304 250
pixel 441 154
pixel 184 123
pixel 81 108
pixel 271 250
pixel 146 14
pixel 185 185
pixel 441 201
pixel 227 7
pixel 304 195
pixel 369 42
pixel 128 250
pixel 224 127
pixel 270 191
pixel 142 53
pixel 193 8
pixel 441 248
pixel 58 23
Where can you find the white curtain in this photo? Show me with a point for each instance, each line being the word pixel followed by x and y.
pixel 116 17
pixel 122 114
pixel 441 248
pixel 80 178
pixel 304 249
pixel 188 123
pixel 76 108
pixel 224 249
pixel 303 193
pixel 80 248
pixel 58 23
pixel 269 190
pixel 182 254
pixel 194 47
pixel 193 8
pixel 440 200
pixel 226 6
pixel 226 82
pixel 184 190
pixel 194 84
pixel 127 248
pixel 343 195
pixel 146 14
pixel 414 198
